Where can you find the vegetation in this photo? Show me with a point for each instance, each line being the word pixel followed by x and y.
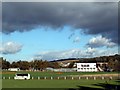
pixel 54 83
pixel 113 63
pixel 26 65
pixel 95 84
pixel 37 74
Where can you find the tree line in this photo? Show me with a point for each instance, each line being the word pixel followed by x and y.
pixel 26 65
pixel 113 63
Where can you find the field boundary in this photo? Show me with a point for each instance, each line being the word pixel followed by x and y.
pixel 73 77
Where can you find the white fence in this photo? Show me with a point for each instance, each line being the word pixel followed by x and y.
pixel 71 78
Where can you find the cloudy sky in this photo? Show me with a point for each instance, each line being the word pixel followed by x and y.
pixel 55 30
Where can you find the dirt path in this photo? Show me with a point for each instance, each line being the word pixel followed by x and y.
pixel 7 72
pixel 97 75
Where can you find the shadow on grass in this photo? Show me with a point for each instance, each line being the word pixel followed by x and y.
pixel 104 86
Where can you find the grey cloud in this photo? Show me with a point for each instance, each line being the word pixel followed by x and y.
pixel 10 48
pixel 61 0
pixel 93 18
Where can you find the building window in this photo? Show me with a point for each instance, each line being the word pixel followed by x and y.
pixel 82 66
pixel 87 65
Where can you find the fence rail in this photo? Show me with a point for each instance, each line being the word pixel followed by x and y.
pixel 71 78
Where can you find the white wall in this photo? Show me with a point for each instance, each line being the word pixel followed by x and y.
pixel 86 67
pixel 14 69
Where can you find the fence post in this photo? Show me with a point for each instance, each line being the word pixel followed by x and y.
pixel 44 77
pixel 58 78
pixel 9 77
pixel 111 77
pixel 51 78
pixel 65 78
pixel 103 78
pixel 87 78
pixel 72 78
pixel 79 78
pixel 38 77
pixel 94 78
pixel 3 77
pixel 32 77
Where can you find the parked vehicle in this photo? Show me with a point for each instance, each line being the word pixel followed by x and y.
pixel 22 76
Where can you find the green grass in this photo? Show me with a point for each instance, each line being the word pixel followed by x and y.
pixel 53 74
pixel 52 83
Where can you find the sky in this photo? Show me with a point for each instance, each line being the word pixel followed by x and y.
pixel 51 31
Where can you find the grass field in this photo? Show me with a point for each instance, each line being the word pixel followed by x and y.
pixel 54 83
pixel 53 74
pixel 69 83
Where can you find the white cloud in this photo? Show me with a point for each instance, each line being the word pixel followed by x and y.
pixel 76 40
pixel 73 53
pixel 53 55
pixel 100 41
pixel 106 52
pixel 10 47
pixel 90 51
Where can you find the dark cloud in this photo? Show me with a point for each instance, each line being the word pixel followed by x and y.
pixel 93 18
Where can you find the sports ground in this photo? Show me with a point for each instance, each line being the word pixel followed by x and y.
pixel 66 80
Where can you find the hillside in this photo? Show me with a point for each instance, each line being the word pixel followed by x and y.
pixel 95 59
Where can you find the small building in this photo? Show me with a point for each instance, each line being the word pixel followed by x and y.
pixel 86 67
pixel 14 69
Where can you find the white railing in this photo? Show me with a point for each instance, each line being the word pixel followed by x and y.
pixel 69 78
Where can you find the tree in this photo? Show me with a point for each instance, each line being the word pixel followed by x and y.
pixel 42 65
pixel 5 64
pixel 71 65
pixel 54 65
pixel 117 65
pixel 24 65
pixel 114 63
pixel 1 58
pixel 15 65
pixel 39 64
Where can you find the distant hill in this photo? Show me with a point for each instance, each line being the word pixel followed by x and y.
pixel 95 59
pixel 68 59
